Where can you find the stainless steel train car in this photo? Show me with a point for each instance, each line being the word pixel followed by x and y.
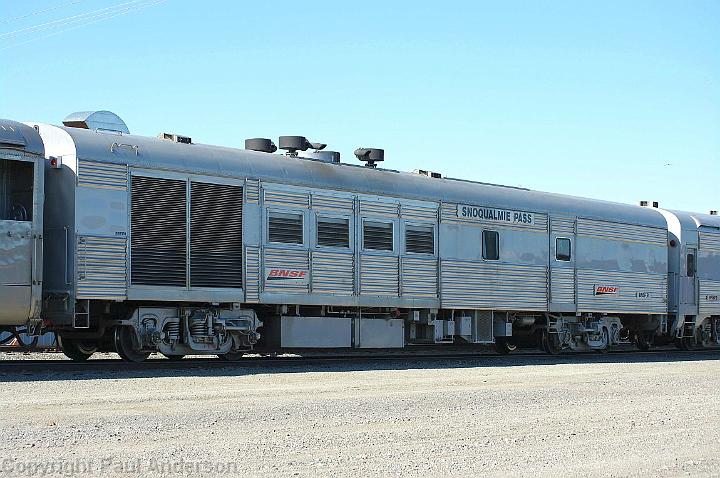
pixel 164 245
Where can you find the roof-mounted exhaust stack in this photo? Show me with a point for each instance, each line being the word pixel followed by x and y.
pixel 370 156
pixel 264 145
pixel 96 121
pixel 296 144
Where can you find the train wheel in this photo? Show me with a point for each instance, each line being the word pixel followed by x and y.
pixel 684 343
pixel 174 358
pixel 504 345
pixel 606 340
pixel 643 341
pixel 76 350
pixel 125 345
pixel 551 343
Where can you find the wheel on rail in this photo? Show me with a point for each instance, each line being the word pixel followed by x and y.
pixel 644 341
pixel 551 343
pixel 504 345
pixel 684 343
pixel 77 350
pixel 174 358
pixel 231 356
pixel 606 342
pixel 126 347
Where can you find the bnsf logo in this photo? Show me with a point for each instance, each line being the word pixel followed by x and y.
pixel 603 289
pixel 286 274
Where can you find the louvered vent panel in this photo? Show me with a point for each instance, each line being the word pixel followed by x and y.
pixel 378 236
pixel 333 232
pixel 159 232
pixel 252 190
pixel 102 175
pixel 285 228
pixel 215 235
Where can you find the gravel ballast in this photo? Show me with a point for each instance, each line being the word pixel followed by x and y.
pixel 592 416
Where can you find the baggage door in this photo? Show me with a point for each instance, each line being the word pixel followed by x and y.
pixel 562 269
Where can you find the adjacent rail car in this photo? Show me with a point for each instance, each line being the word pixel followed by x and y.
pixel 164 245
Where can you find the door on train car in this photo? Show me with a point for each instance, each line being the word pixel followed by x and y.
pixel 562 294
pixel 20 237
pixel 689 279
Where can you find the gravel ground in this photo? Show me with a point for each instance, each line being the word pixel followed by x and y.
pixel 579 416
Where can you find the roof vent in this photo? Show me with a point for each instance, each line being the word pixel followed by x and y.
pixel 430 174
pixel 324 156
pixel 96 121
pixel 713 212
pixel 264 145
pixel 175 138
pixel 644 203
pixel 656 204
pixel 370 156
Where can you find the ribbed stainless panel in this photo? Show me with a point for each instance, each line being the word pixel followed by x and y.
pixel 102 175
pixel 286 198
pixel 159 231
pixel 379 275
pixel 215 235
pixel 252 191
pixel 709 298
pixel 334 204
pixel 621 232
pixel 639 293
pixel 448 213
pixel 286 259
pixel 101 268
pixel 710 242
pixel 417 211
pixel 562 226
pixel 562 281
pixel 333 273
pixel 252 275
pixel 378 208
pixel 490 285
pixel 419 277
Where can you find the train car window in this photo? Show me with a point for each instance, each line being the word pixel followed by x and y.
pixel 491 245
pixel 16 190
pixel 378 236
pixel 563 249
pixel 333 232
pixel 691 265
pixel 285 228
pixel 420 239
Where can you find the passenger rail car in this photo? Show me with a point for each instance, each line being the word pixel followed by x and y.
pixel 164 245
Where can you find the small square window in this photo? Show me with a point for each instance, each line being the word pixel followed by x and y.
pixel 491 245
pixel 420 239
pixel 563 249
pixel 378 236
pixel 333 232
pixel 285 228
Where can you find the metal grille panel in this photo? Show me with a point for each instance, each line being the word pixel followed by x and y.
pixel 333 232
pixel 286 199
pixel 562 290
pixel 563 226
pixel 285 228
pixel 419 277
pixel 159 231
pixel 101 268
pixel 378 236
pixel 333 273
pixel 378 208
pixel 102 175
pixel 415 211
pixel 252 275
pixel 710 242
pixel 215 235
pixel 379 275
pixel 709 298
pixel 622 232
pixel 420 239
pixel 332 203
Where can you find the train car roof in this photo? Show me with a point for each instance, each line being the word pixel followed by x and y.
pixel 155 153
pixel 698 219
pixel 21 136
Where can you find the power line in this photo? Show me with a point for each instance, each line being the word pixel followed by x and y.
pixel 121 7
pixel 40 12
pixel 86 20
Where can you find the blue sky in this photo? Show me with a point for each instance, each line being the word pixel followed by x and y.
pixel 616 100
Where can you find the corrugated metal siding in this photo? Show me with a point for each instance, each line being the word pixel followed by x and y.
pixel 710 242
pixel 448 213
pixel 252 191
pixel 252 275
pixel 378 208
pixel 333 273
pixel 340 205
pixel 379 275
pixel 486 285
pixel 101 268
pixel 286 198
pixel 627 300
pixel 562 285
pixel 418 211
pixel 419 277
pixel 284 258
pixel 621 232
pixel 102 175
pixel 563 226
pixel 709 298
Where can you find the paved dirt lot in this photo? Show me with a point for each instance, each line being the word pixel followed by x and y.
pixel 527 416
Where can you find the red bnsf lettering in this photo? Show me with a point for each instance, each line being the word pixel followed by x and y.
pixel 286 274
pixel 606 290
